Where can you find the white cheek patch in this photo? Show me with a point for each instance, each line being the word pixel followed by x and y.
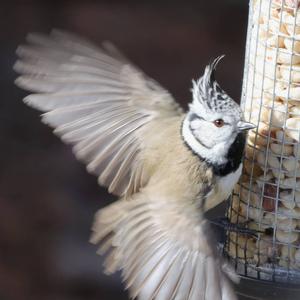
pixel 191 138
pixel 202 131
pixel 196 133
pixel 195 124
pixel 194 140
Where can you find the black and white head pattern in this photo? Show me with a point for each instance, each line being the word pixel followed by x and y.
pixel 209 96
pixel 214 123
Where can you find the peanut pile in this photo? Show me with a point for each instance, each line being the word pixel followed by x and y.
pixel 268 195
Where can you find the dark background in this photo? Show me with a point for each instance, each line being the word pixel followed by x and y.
pixel 47 200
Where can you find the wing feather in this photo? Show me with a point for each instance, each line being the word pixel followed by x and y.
pixel 164 256
pixel 212 274
pixel 157 277
pixel 61 85
pixel 185 282
pixel 97 101
pixel 167 286
pixel 43 67
pixel 199 283
pixel 97 119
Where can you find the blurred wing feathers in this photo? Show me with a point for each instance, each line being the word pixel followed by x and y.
pixel 96 100
pixel 163 253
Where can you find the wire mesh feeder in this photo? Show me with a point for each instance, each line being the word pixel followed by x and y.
pixel 267 197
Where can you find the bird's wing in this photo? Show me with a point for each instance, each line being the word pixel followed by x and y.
pixel 165 252
pixel 97 101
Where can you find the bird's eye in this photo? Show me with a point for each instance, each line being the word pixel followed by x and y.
pixel 219 122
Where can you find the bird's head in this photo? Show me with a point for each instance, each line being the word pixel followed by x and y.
pixel 214 119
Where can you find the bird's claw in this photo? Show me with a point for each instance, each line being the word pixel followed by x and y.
pixel 232 227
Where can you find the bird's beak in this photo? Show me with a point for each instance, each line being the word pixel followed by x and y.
pixel 242 125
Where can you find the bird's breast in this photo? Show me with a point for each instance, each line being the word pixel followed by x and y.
pixel 224 186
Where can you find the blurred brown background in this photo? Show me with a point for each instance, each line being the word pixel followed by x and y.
pixel 47 200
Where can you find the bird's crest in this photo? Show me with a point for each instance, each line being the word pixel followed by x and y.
pixel 207 93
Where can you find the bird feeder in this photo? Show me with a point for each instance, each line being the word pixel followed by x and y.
pixel 267 197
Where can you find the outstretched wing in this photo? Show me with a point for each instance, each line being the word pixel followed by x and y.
pixel 162 251
pixel 97 101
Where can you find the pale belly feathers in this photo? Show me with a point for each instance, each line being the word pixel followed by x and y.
pixel 223 189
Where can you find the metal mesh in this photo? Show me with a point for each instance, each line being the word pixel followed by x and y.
pixel 267 197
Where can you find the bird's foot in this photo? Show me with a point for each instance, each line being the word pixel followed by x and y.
pixel 232 227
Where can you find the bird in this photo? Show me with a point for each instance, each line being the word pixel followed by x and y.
pixel 167 166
